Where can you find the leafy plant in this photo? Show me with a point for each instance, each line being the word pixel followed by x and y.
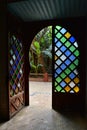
pixel 41 51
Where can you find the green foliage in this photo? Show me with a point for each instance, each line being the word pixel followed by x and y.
pixel 41 47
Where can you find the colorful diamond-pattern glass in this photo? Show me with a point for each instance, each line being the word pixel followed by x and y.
pixel 15 66
pixel 66 62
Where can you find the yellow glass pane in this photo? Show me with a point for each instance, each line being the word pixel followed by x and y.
pixel 56 57
pixel 67 88
pixel 76 89
pixel 67 80
pixel 76 80
pixel 67 35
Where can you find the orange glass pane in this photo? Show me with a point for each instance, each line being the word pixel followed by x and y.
pixel 67 88
pixel 56 57
pixel 67 79
pixel 67 35
pixel 76 89
pixel 76 80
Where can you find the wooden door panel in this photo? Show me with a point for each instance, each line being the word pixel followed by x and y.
pixel 16 75
pixel 67 87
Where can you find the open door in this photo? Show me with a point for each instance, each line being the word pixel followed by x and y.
pixel 16 75
pixel 68 91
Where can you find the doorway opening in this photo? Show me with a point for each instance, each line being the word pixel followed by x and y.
pixel 65 54
pixel 40 78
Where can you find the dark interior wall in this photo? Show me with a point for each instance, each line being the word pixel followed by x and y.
pixel 4 95
pixel 30 29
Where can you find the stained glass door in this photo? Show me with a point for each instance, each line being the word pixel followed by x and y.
pixel 16 75
pixel 66 76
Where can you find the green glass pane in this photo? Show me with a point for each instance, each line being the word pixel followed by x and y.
pixel 14 76
pixel 58 27
pixel 21 62
pixel 21 54
pixel 55 83
pixel 58 35
pixel 18 66
pixel 56 31
pixel 58 88
pixel 76 62
pixel 16 71
pixel 16 43
pixel 63 91
pixel 58 79
pixel 18 48
pixel 67 71
pixel 63 39
pixel 67 44
pixel 72 48
pixel 76 53
pixel 63 75
pixel 12 82
pixel 72 66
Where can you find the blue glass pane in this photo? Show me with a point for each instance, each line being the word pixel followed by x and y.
pixel 72 75
pixel 56 75
pixel 58 62
pixel 72 39
pixel 16 52
pixel 14 47
pixel 63 48
pixel 55 40
pixel 67 53
pixel 16 62
pixel 14 67
pixel 67 62
pixel 63 30
pixel 63 84
pixel 58 44
pixel 58 53
pixel 72 57
pixel 58 71
pixel 19 76
pixel 19 57
pixel 14 87
pixel 11 72
pixel 63 66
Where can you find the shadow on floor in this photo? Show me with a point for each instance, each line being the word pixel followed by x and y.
pixel 40 115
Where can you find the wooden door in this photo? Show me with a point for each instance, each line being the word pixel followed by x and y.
pixel 68 91
pixel 16 75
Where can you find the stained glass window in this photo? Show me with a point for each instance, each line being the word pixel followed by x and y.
pixel 15 66
pixel 66 62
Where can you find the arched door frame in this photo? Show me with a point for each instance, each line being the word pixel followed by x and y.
pixel 27 31
pixel 75 28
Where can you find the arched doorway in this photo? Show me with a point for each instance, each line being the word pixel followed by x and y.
pixel 63 100
pixel 40 78
pixel 67 83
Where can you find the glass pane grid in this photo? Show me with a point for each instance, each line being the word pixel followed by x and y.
pixel 67 79
pixel 15 68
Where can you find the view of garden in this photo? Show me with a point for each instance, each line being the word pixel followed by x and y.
pixel 40 54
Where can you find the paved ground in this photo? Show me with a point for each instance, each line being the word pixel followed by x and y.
pixel 40 116
pixel 41 94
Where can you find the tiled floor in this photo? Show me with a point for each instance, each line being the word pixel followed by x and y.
pixel 40 116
